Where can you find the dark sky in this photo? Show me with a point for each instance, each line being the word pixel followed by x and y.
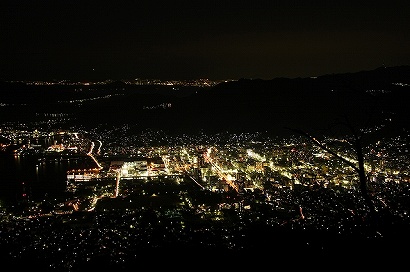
pixel 88 40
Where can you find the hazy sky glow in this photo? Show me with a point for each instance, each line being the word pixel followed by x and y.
pixel 199 39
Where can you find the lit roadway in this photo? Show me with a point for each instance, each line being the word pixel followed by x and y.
pixel 219 170
pixel 91 155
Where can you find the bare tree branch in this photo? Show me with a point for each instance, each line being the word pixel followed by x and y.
pixel 324 147
pixel 359 168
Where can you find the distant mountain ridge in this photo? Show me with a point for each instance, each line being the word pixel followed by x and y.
pixel 317 102
pixel 244 105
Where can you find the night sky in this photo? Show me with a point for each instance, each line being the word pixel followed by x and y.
pixel 97 40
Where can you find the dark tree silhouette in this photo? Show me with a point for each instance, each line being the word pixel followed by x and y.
pixel 358 118
pixel 356 143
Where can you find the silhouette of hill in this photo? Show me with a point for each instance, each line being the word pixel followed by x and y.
pixel 244 105
pixel 311 103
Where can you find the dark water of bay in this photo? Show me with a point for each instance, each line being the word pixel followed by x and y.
pixel 33 178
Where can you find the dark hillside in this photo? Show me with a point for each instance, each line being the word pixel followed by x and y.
pixel 244 105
